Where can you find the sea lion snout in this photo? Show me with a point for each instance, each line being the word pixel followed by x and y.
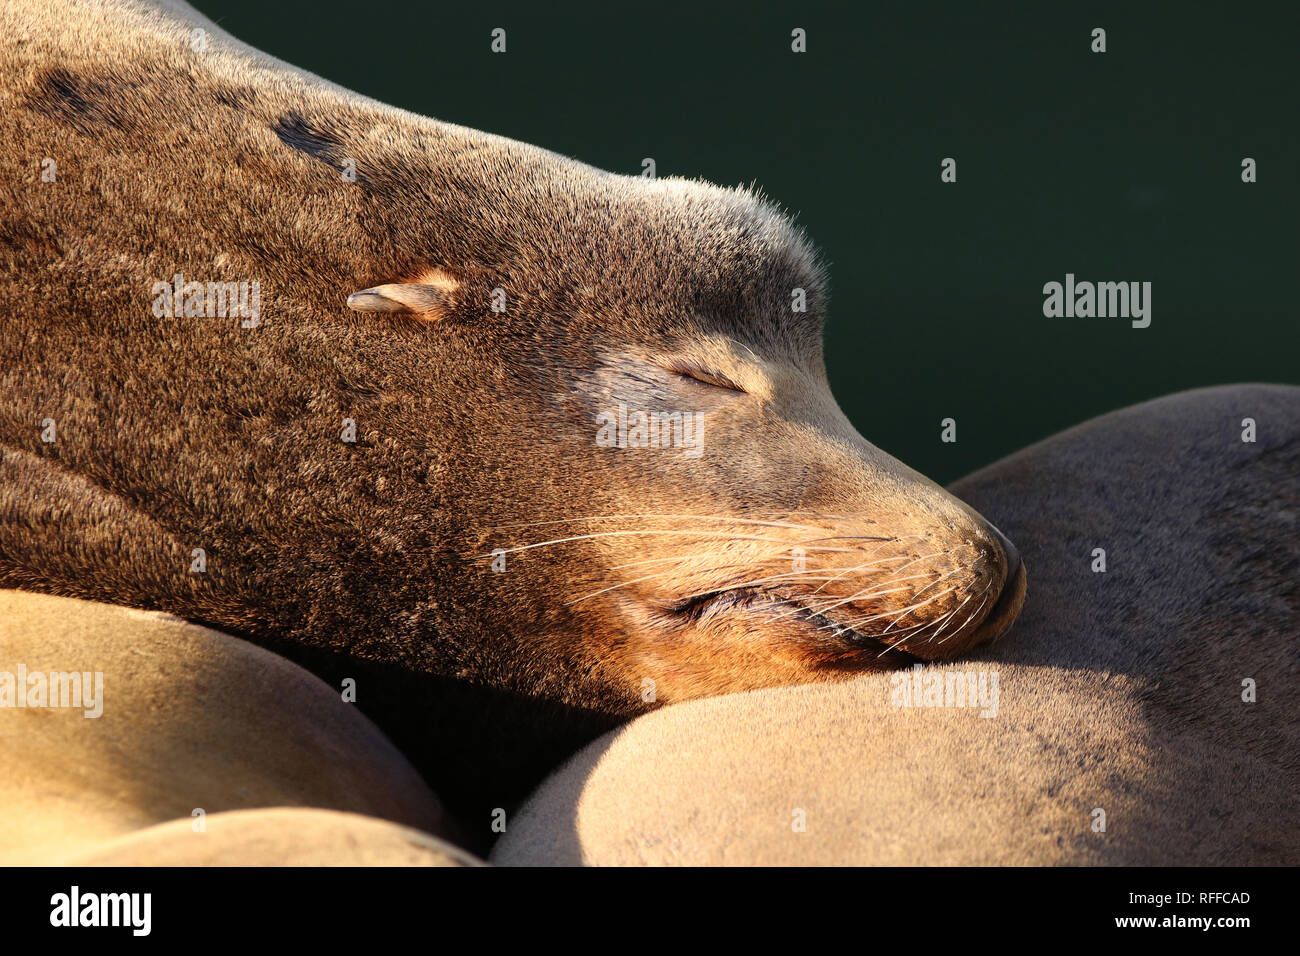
pixel 789 550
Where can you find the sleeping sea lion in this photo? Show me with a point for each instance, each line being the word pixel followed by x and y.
pixel 522 446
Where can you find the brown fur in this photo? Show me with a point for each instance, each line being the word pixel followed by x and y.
pixel 475 428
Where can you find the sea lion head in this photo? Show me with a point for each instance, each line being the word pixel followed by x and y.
pixel 573 442
pixel 661 497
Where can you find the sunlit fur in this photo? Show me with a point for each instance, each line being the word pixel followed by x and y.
pixel 475 428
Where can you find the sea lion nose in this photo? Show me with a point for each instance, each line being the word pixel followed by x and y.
pixel 1009 549
pixel 1009 602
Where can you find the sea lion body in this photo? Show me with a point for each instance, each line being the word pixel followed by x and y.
pixel 280 836
pixel 114 720
pixel 522 446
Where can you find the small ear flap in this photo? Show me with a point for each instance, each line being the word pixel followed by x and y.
pixel 429 301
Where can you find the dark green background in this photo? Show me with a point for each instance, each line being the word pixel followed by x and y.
pixel 1119 166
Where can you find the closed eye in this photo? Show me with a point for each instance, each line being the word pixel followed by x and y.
pixel 702 373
